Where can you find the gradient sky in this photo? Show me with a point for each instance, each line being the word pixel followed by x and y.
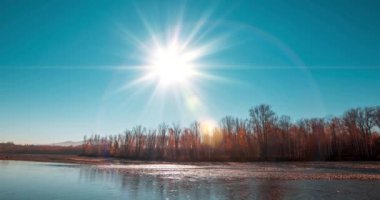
pixel 62 63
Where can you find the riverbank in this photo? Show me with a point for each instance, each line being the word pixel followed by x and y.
pixel 76 159
pixel 359 170
pixel 61 158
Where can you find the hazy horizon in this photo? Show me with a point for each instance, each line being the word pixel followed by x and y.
pixel 70 140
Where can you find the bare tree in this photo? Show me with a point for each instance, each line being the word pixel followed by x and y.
pixel 262 136
pixel 377 116
pixel 262 118
pixel 284 124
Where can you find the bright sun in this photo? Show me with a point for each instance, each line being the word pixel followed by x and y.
pixel 172 64
pixel 175 62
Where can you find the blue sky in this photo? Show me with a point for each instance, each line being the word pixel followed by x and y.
pixel 63 63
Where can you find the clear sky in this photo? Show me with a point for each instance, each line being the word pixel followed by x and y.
pixel 69 68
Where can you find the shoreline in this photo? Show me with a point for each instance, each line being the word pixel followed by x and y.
pixel 62 158
pixel 314 170
pixel 77 159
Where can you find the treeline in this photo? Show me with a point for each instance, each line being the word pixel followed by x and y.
pixel 12 148
pixel 263 136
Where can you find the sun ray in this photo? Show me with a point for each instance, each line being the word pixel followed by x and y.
pixel 172 61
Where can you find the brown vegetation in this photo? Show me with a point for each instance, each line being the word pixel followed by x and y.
pixel 264 136
pixel 10 148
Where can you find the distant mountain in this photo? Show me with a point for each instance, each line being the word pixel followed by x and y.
pixel 67 143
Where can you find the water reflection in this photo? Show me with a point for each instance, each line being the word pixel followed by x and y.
pixel 271 189
pixel 31 180
pixel 157 184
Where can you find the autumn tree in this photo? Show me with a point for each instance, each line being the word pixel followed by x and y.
pixel 262 119
pixel 263 136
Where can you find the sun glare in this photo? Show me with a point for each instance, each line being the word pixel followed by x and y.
pixel 208 127
pixel 171 65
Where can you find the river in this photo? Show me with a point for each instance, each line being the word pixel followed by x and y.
pixel 315 180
